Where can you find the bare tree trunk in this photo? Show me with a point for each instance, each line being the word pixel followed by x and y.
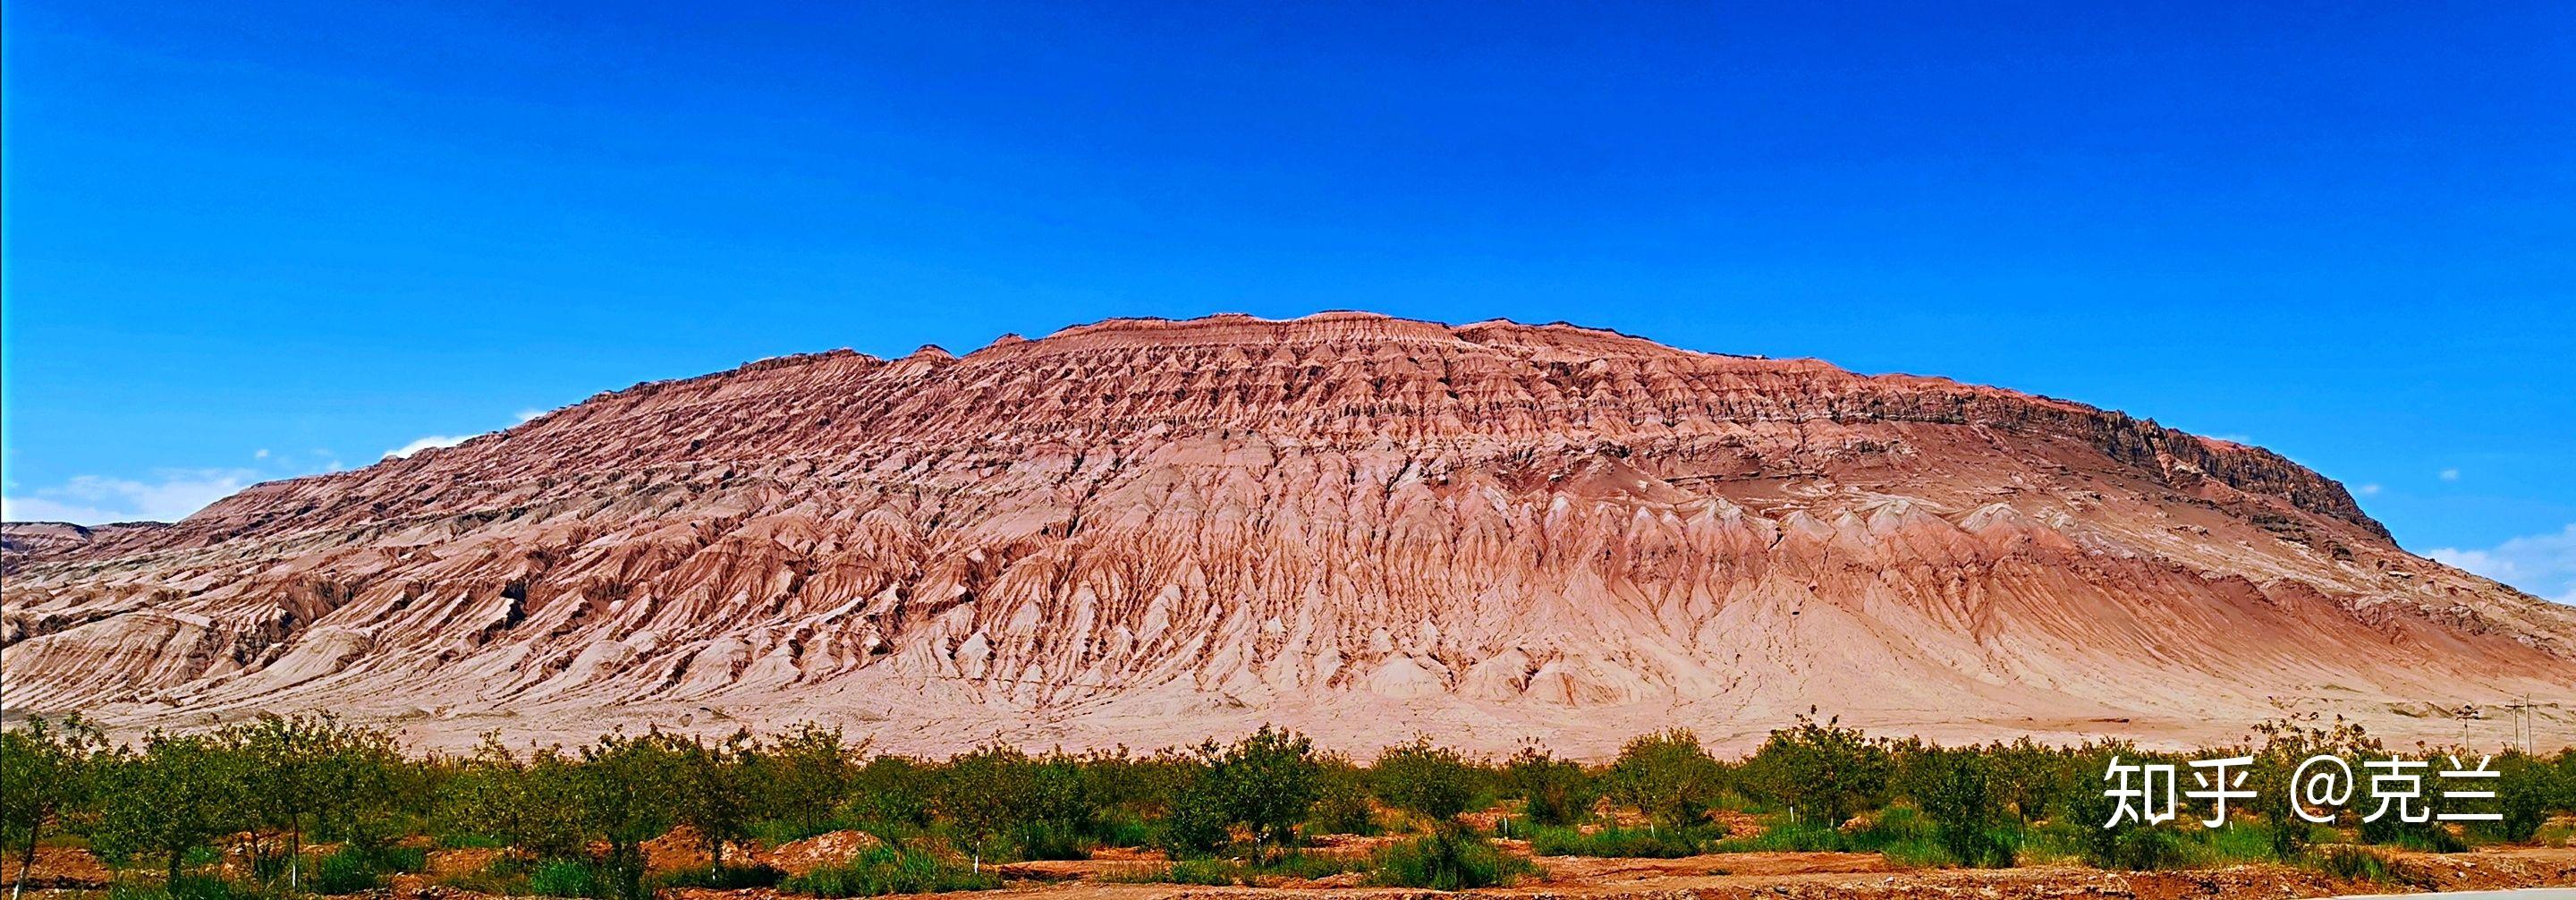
pixel 26 861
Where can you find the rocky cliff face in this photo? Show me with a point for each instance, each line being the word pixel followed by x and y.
pixel 1146 531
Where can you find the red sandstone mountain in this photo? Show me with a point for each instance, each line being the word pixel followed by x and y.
pixel 1144 532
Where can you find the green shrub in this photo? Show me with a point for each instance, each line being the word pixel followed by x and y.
pixel 2526 789
pixel 2146 850
pixel 1125 829
pixel 1956 790
pixel 1821 770
pixel 1644 843
pixel 1198 821
pixel 1668 776
pixel 1447 860
pixel 889 791
pixel 1434 781
pixel 1044 840
pixel 1553 791
pixel 1342 803
pixel 882 870
pixel 2289 838
pixel 1267 782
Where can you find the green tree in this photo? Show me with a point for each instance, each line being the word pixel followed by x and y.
pixel 1269 781
pixel 1432 780
pixel 1956 790
pixel 891 793
pixel 2278 746
pixel 1667 776
pixel 716 789
pixel 1555 792
pixel 46 773
pixel 302 771
pixel 626 786
pixel 980 793
pixel 1342 799
pixel 807 773
pixel 533 806
pixel 175 796
pixel 2022 774
pixel 1823 770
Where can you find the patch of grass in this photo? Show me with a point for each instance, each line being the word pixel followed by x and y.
pixel 1787 837
pixel 1917 852
pixel 1203 872
pixel 722 878
pixel 1126 831
pixel 354 868
pixel 1042 840
pixel 2148 850
pixel 2247 842
pixel 2427 839
pixel 187 887
pixel 505 876
pixel 2351 863
pixel 1654 843
pixel 882 870
pixel 567 878
pixel 1225 872
pixel 1893 826
pixel 1447 861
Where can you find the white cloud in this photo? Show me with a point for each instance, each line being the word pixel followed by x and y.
pixel 261 453
pixel 425 442
pixel 94 500
pixel 2368 490
pixel 2450 474
pixel 2543 564
pixel 527 415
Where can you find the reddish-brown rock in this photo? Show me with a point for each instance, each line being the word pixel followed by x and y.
pixel 1146 531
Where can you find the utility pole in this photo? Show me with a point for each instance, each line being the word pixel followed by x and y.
pixel 2526 721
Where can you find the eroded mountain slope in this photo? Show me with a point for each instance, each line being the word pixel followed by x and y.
pixel 1144 532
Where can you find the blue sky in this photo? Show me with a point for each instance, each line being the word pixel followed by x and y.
pixel 247 241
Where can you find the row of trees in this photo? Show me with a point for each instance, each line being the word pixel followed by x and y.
pixel 267 787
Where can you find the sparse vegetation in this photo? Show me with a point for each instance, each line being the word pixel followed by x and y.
pixel 884 870
pixel 1644 843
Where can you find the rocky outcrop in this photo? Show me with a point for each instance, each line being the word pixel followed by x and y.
pixel 1145 531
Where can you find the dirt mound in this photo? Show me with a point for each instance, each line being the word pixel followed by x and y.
pixel 819 851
